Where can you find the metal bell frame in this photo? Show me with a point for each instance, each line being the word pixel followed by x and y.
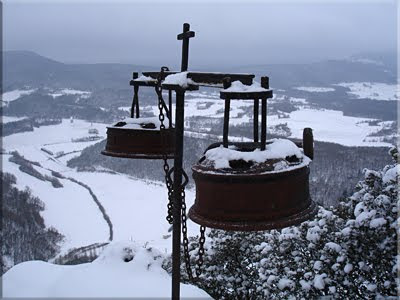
pixel 205 216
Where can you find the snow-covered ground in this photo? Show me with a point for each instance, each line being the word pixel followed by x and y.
pixel 372 90
pixel 315 89
pixel 212 107
pixel 330 126
pixel 14 95
pixel 136 208
pixel 69 209
pixel 125 108
pixel 124 269
pixel 6 119
pixel 55 138
pixel 80 94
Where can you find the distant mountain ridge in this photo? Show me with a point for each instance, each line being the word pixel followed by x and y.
pixel 29 68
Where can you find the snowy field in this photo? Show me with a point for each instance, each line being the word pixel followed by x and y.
pixel 69 209
pixel 328 125
pixel 80 94
pixel 71 202
pixel 372 90
pixel 314 89
pixel 6 119
pixel 55 138
pixel 212 107
pixel 136 208
pixel 14 95
pixel 124 198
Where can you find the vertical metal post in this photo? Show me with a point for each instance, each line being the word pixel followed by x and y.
pixel 265 82
pixel 170 107
pixel 263 123
pixel 135 101
pixel 177 201
pixel 226 83
pixel 177 204
pixel 265 85
pixel 185 36
pixel 185 49
pixel 136 95
pixel 226 122
pixel 255 121
pixel 308 142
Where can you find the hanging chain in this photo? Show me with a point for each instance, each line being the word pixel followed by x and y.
pixel 169 183
pixel 202 238
pixel 166 168
pixel 186 254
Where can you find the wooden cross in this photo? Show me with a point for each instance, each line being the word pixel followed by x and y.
pixel 185 36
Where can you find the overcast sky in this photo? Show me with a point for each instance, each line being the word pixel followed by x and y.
pixel 227 32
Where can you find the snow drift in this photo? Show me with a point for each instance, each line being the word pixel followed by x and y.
pixel 124 269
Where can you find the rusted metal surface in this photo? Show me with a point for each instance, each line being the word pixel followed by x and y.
pixel 246 95
pixel 136 143
pixel 308 142
pixel 178 88
pixel 209 77
pixel 251 202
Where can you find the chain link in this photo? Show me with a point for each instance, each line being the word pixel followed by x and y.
pixel 169 184
pixel 167 171
pixel 202 238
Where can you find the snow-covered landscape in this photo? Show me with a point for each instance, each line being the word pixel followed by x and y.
pixel 73 213
pixel 301 203
pixel 125 198
pixel 373 90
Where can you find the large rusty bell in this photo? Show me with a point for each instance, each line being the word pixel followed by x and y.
pixel 253 194
pixel 243 200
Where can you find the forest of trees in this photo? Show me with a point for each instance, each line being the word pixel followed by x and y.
pixel 24 235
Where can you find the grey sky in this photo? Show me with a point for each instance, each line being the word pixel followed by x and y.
pixel 227 32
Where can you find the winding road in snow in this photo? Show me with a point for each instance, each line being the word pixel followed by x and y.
pixel 98 203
